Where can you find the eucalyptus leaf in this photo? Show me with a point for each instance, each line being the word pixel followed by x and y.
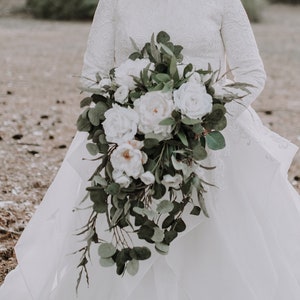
pixel 164 207
pixel 183 138
pixel 162 248
pixel 83 124
pixel 188 121
pixel 199 152
pixel 106 250
pixel 92 148
pixel 196 211
pixel 158 235
pixel 170 236
pixel 106 262
pixel 162 37
pixel 86 102
pixel 167 122
pixel 132 267
pixel 140 253
pixel 215 140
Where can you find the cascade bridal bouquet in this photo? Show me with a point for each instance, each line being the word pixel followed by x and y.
pixel 150 123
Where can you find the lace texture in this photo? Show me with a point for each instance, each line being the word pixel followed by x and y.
pixel 215 32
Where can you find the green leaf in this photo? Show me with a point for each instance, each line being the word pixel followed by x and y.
pixel 198 129
pixel 221 125
pixel 106 250
pixel 92 148
pixel 167 50
pixel 173 66
pixel 135 55
pixel 145 232
pixel 132 267
pixel 215 140
pixel 196 211
pixel 202 204
pixel 165 207
pixel 150 143
pixel 162 77
pixel 199 152
pixel 162 37
pixel 106 262
pixel 162 248
pixel 168 221
pixel 180 225
pixel 100 180
pixel 96 114
pixel 188 121
pixel 183 138
pixel 140 253
pixel 167 122
pixel 170 236
pixel 187 69
pixel 86 102
pixel 159 191
pixel 113 189
pixel 83 124
pixel 158 235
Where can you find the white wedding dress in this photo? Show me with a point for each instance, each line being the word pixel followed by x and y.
pixel 249 248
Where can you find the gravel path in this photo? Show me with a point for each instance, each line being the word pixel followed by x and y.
pixel 39 104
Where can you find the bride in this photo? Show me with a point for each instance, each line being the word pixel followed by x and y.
pixel 249 248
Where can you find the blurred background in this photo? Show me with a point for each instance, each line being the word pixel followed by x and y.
pixel 41 50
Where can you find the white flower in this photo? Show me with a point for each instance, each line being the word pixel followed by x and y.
pixel 122 179
pixel 152 108
pixel 148 178
pixel 172 181
pixel 136 144
pixel 121 94
pixel 195 78
pixel 120 124
pixel 129 68
pixel 193 100
pixel 127 159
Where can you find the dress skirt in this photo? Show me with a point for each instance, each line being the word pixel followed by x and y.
pixel 249 248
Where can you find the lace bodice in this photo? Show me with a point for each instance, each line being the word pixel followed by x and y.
pixel 216 32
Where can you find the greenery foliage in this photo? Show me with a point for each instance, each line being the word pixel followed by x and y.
pixel 62 10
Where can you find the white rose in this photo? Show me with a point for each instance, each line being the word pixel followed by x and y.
pixel 121 94
pixel 148 178
pixel 193 100
pixel 120 124
pixel 129 68
pixel 122 179
pixel 127 159
pixel 195 78
pixel 172 181
pixel 152 108
pixel 136 144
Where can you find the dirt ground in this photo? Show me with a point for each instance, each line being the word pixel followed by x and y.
pixel 39 103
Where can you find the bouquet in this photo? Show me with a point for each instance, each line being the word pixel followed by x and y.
pixel 151 122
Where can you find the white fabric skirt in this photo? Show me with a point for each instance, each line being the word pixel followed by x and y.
pixel 249 248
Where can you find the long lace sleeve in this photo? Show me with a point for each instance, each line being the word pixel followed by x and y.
pixel 99 55
pixel 242 54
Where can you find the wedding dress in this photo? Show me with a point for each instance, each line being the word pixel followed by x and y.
pixel 249 248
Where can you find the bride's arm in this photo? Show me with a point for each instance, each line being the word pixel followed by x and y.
pixel 242 53
pixel 99 55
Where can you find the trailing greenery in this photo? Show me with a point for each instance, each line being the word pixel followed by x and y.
pixel 254 9
pixel 62 10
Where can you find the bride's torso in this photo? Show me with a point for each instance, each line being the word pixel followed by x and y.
pixel 193 24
